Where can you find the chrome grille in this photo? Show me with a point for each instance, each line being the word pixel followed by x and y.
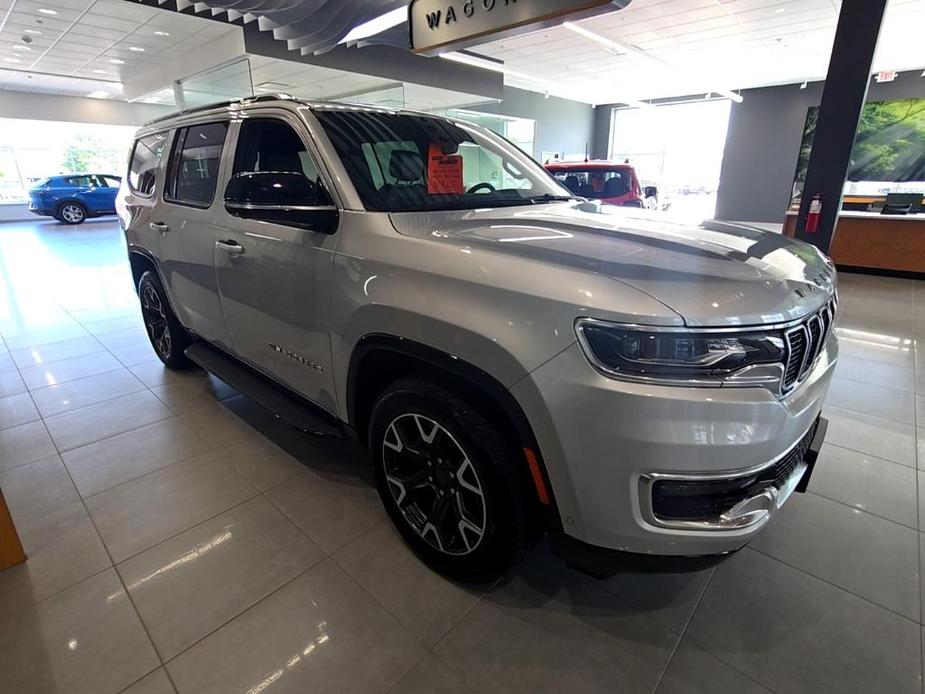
pixel 805 343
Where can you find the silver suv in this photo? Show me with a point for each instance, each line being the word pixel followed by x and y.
pixel 513 356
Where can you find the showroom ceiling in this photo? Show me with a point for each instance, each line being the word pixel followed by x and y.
pixel 651 49
pixel 100 40
pixel 707 45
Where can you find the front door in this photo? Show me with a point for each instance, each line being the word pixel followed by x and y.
pixel 183 223
pixel 274 279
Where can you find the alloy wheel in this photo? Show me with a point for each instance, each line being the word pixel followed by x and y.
pixel 155 320
pixel 434 484
pixel 72 213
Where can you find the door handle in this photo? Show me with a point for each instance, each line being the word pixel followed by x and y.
pixel 230 247
pixel 159 227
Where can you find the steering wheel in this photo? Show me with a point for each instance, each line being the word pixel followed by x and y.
pixel 481 186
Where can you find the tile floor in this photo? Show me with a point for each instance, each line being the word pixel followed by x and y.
pixel 182 541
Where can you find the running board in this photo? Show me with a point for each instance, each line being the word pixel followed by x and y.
pixel 285 405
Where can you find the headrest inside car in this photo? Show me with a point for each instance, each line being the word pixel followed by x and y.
pixel 406 165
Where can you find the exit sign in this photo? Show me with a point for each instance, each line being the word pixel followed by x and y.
pixel 886 75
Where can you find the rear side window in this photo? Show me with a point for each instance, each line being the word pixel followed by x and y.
pixel 194 167
pixel 81 181
pixel 146 157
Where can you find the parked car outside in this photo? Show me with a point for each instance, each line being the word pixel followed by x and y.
pixel 609 182
pixel 513 358
pixel 74 198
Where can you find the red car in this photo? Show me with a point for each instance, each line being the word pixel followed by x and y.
pixel 610 182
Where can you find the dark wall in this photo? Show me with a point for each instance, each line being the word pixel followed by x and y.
pixel 561 125
pixel 763 144
pixel 600 139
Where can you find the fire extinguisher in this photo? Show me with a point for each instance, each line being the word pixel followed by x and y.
pixel 815 214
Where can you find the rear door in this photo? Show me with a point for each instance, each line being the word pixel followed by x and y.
pixel 183 221
pixel 98 196
pixel 275 280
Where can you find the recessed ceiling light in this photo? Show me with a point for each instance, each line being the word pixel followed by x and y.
pixel 100 72
pixel 20 47
pixel 32 31
pixel 12 60
pixel 117 61
pixel 162 33
pixel 98 94
pixel 45 10
pixel 136 49
pixel 780 10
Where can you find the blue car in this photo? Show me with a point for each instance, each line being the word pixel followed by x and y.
pixel 72 198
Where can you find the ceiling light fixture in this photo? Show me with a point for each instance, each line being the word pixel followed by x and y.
pixel 12 60
pixel 32 31
pixel 98 94
pixel 21 47
pixel 45 10
pixel 780 10
pixel 376 25
pixel 161 33
pixel 803 86
pixel 136 49
pixel 632 50
pixel 100 72
pixel 117 61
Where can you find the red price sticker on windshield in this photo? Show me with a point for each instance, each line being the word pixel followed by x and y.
pixel 444 172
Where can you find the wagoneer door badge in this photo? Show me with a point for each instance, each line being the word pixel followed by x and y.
pixel 296 357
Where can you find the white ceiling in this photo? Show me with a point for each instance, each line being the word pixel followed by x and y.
pixel 712 44
pixel 84 37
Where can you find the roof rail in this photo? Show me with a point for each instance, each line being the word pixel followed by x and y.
pixel 219 104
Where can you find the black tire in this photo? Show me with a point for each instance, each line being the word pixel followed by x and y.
pixel 168 338
pixel 407 409
pixel 71 212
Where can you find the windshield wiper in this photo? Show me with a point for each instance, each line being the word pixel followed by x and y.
pixel 548 197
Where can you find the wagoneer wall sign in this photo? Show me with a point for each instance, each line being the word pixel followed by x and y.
pixel 441 25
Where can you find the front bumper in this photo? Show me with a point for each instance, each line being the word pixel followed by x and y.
pixel 606 442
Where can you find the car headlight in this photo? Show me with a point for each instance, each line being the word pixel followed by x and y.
pixel 684 356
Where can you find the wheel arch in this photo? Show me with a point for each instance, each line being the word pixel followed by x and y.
pixel 380 359
pixel 59 205
pixel 141 260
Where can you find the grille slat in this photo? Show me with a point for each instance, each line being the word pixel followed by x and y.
pixel 805 343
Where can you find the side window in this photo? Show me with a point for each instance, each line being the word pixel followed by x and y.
pixel 267 144
pixel 194 167
pixel 80 181
pixel 146 157
pixel 109 181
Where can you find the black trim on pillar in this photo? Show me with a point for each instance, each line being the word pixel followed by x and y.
pixel 839 113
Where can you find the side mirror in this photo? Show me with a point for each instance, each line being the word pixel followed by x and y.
pixel 650 192
pixel 281 197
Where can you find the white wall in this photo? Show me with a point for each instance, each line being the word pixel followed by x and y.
pixel 76 109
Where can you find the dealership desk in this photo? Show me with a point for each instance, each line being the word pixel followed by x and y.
pixel 875 241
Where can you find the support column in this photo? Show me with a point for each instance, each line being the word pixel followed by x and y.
pixel 840 111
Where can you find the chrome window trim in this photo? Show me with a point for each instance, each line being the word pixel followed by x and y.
pixel 300 208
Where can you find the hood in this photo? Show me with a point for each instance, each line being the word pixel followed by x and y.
pixel 715 274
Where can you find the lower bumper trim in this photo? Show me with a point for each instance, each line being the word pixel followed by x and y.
pixel 602 562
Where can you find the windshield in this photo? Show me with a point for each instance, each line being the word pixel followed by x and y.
pixel 408 163
pixel 597 183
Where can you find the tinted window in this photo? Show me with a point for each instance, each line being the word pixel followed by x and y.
pixel 408 162
pixel 194 169
pixel 597 182
pixel 146 157
pixel 81 181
